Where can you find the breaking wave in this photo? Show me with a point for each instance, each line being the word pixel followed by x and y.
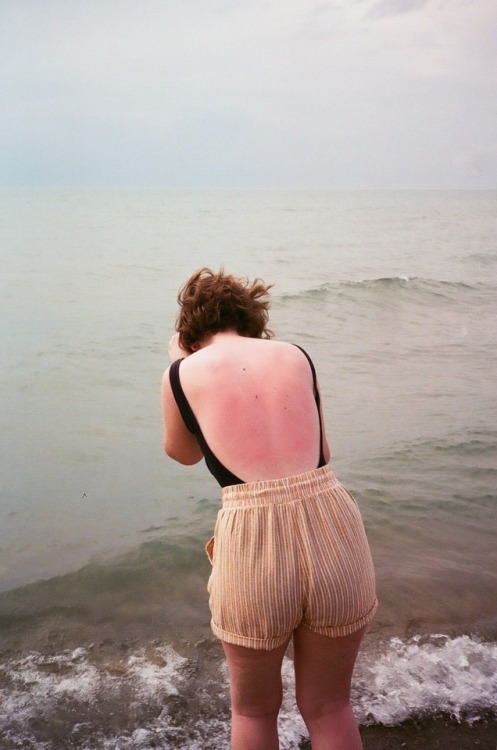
pixel 155 697
pixel 389 288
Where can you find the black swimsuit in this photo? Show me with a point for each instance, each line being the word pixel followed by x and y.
pixel 223 475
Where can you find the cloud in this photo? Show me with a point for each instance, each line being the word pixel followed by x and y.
pixel 395 7
pixel 222 92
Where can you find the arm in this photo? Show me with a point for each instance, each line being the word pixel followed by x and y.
pixel 326 447
pixel 179 443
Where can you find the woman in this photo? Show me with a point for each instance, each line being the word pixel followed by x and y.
pixel 289 553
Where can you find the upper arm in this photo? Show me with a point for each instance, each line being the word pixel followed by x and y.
pixel 326 447
pixel 179 443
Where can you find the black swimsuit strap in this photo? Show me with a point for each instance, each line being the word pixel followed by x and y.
pixel 184 407
pixel 322 460
pixel 223 475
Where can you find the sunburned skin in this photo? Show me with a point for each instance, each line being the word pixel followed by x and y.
pixel 254 401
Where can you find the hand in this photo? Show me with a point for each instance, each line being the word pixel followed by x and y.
pixel 174 349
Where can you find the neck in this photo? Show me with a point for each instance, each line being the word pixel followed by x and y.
pixel 214 338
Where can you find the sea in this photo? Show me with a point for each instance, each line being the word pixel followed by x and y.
pixel 105 641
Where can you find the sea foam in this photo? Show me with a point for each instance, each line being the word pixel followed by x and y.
pixel 157 698
pixel 425 677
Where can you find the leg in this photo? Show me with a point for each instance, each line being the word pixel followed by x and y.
pixel 256 694
pixel 323 674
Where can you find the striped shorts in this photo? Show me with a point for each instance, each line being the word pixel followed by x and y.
pixel 289 552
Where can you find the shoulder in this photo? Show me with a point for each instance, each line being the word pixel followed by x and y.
pixel 289 352
pixel 170 374
pixel 172 371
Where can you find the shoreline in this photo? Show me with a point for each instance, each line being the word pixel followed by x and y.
pixel 442 733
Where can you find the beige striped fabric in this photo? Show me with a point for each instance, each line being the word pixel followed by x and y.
pixel 289 552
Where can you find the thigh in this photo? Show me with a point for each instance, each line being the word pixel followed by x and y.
pixel 255 678
pixel 324 667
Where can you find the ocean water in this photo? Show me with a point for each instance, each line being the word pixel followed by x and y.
pixel 104 625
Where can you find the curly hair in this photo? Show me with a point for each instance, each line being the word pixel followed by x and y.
pixel 213 302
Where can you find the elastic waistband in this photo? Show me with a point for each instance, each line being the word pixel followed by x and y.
pixel 274 491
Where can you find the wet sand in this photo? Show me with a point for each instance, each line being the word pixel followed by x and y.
pixel 430 734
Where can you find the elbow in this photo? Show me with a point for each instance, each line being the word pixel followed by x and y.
pixel 185 458
pixel 170 451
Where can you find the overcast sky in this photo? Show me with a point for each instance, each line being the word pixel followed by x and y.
pixel 249 93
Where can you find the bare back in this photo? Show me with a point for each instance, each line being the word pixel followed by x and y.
pixel 254 401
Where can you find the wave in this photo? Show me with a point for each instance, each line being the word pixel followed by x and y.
pixel 141 697
pixel 471 443
pixel 482 259
pixel 391 287
pixel 427 677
